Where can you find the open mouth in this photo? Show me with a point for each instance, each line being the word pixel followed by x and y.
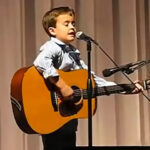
pixel 72 34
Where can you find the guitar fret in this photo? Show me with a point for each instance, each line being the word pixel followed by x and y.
pixel 85 93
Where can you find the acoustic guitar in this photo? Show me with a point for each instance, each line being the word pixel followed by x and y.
pixel 38 107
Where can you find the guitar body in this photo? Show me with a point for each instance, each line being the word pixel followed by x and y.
pixel 32 100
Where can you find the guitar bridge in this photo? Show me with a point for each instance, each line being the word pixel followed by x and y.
pixel 54 101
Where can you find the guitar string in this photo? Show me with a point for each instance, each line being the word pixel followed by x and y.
pixel 78 92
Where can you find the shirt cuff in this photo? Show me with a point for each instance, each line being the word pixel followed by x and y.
pixel 52 72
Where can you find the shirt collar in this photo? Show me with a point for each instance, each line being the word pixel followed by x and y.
pixel 63 45
pixel 57 41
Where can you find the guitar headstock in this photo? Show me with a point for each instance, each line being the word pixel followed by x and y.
pixel 146 84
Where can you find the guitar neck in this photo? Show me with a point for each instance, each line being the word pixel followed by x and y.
pixel 107 90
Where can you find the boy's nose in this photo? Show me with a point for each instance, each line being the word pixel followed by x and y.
pixel 72 26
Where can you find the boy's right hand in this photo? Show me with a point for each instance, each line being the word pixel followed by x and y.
pixel 65 90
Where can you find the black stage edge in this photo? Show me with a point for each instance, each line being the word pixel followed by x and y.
pixel 110 147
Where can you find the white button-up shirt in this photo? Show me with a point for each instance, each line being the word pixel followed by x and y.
pixel 54 54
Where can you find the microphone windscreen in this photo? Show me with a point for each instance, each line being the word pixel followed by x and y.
pixel 79 34
pixel 106 73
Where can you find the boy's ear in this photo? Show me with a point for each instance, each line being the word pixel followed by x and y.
pixel 52 31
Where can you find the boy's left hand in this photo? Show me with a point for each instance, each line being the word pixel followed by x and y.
pixel 139 88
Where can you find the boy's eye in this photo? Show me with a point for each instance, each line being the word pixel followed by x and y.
pixel 73 23
pixel 66 24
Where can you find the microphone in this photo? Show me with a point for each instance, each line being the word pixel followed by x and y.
pixel 128 68
pixel 125 68
pixel 81 36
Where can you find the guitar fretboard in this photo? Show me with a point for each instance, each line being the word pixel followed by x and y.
pixel 105 90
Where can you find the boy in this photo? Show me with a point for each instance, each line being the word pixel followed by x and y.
pixel 57 53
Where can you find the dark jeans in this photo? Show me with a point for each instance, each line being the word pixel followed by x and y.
pixel 62 139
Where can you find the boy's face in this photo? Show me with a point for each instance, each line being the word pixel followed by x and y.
pixel 65 28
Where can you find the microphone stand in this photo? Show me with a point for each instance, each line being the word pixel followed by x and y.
pixel 89 82
pixel 89 89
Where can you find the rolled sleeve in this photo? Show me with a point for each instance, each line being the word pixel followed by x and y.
pixel 98 80
pixel 44 62
pixel 46 68
pixel 102 82
pixel 51 72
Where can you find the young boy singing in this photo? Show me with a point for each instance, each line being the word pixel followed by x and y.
pixel 57 53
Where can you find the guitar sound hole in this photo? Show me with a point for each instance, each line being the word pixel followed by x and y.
pixel 68 107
